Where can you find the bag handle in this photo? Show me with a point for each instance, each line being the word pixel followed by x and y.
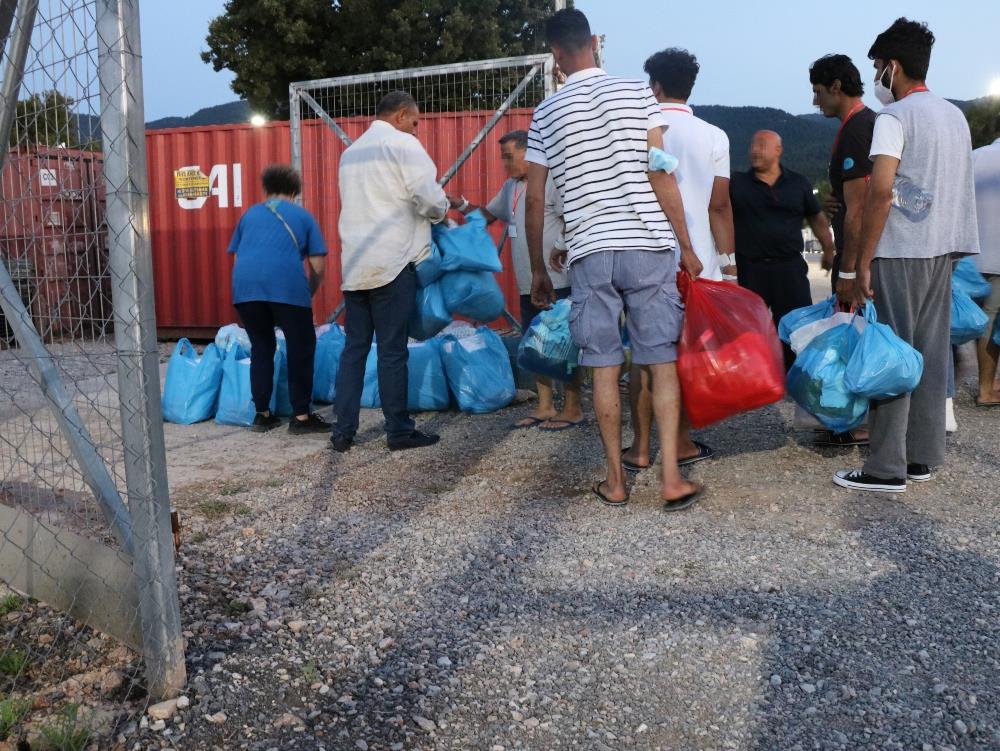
pixel 291 233
pixel 184 345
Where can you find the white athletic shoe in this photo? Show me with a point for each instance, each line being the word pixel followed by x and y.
pixel 950 424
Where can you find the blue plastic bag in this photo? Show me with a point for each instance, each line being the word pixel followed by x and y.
pixel 800 317
pixel 547 347
pixel 429 269
pixel 968 320
pixel 996 331
pixel 473 294
pixel 479 371
pixel 191 387
pixel 426 384
pixel 326 364
pixel 236 405
pixel 967 278
pixel 816 380
pixel 282 402
pixel 882 365
pixel 232 335
pixel 467 247
pixel 430 314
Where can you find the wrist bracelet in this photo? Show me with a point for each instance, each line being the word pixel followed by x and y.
pixel 727 259
pixel 847 275
pixel 464 205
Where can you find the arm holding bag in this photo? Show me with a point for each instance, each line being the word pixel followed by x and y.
pixel 729 358
pixel 882 365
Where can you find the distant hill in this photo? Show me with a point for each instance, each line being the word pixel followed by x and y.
pixel 220 114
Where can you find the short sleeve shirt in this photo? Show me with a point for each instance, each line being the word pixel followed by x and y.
pixel 768 218
pixel 850 160
pixel 269 262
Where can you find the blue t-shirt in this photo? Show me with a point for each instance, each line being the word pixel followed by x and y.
pixel 268 263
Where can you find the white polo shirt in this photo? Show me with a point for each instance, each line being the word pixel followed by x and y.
pixel 986 161
pixel 702 151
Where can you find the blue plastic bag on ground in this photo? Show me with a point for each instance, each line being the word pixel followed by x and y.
pixel 473 294
pixel 232 335
pixel 427 385
pixel 800 317
pixel 547 347
pixel 467 247
pixel 430 314
pixel 816 380
pixel 236 405
pixel 967 278
pixel 282 402
pixel 326 363
pixel 429 269
pixel 191 387
pixel 479 371
pixel 968 320
pixel 882 365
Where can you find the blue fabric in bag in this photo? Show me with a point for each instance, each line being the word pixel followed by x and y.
pixel 426 383
pixel 430 314
pixel 968 320
pixel 473 294
pixel 191 387
pixel 479 371
pixel 236 405
pixel 326 364
pixel 816 380
pixel 467 247
pixel 429 269
pixel 799 317
pixel 547 347
pixel 967 278
pixel 882 365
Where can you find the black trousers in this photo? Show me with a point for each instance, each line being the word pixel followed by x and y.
pixel 782 283
pixel 295 321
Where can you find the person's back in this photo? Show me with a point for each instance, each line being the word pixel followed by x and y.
pixel 987 177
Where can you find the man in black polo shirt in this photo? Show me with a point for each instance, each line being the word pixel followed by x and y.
pixel 769 206
pixel 837 91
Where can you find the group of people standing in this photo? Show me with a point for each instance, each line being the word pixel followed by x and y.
pixel 592 218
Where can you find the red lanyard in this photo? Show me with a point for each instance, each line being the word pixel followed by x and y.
pixel 855 110
pixel 914 90
pixel 517 197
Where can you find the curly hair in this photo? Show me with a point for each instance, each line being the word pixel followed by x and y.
pixel 907 41
pixel 830 68
pixel 675 70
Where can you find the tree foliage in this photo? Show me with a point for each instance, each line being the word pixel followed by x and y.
pixel 271 43
pixel 45 119
pixel 984 121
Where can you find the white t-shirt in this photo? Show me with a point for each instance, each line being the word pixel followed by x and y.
pixel 702 151
pixel 888 138
pixel 987 171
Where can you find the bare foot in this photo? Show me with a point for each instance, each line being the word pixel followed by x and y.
pixel 636 459
pixel 610 493
pixel 679 490
pixel 538 417
pixel 989 398
pixel 563 419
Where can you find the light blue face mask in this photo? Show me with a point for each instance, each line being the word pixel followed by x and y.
pixel 661 161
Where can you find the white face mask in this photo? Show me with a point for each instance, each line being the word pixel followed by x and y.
pixel 882 92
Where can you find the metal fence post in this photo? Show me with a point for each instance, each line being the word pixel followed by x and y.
pixel 123 134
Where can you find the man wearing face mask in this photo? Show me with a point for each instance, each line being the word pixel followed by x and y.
pixel 919 214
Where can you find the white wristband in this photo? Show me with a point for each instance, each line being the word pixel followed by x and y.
pixel 464 205
pixel 727 259
pixel 847 275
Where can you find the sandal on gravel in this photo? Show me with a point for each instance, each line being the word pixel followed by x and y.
pixel 704 452
pixel 596 490
pixel 629 466
pixel 533 422
pixel 685 501
pixel 841 440
pixel 561 425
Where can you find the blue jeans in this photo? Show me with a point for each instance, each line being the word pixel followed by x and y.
pixel 384 312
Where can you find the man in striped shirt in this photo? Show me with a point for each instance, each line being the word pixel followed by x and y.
pixel 624 225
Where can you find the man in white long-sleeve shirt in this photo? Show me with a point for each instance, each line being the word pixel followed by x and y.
pixel 389 198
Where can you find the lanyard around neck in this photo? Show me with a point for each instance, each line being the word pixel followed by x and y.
pixel 854 110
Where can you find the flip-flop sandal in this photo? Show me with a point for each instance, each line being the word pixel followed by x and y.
pixel 596 490
pixel 704 452
pixel 684 502
pixel 534 422
pixel 987 404
pixel 841 440
pixel 563 425
pixel 629 466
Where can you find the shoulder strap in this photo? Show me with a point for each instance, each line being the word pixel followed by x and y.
pixel 291 233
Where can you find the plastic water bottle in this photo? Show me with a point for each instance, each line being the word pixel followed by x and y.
pixel 910 198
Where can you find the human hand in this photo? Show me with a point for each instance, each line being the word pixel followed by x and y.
pixel 542 293
pixel 557 261
pixel 845 291
pixel 831 205
pixel 863 288
pixel 729 270
pixel 691 263
pixel 454 201
pixel 826 262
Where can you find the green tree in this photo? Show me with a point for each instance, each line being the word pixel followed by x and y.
pixel 45 119
pixel 984 121
pixel 271 43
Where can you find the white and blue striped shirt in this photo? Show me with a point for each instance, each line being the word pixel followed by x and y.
pixel 591 135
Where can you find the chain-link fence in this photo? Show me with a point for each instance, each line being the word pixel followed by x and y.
pixel 89 623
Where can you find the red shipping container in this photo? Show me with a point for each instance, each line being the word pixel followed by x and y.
pixel 201 180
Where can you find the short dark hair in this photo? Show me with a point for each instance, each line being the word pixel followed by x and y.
pixel 675 70
pixel 281 180
pixel 907 41
pixel 393 102
pixel 519 137
pixel 830 68
pixel 569 29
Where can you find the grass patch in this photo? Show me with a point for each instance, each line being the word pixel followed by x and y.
pixel 238 607
pixel 13 661
pixel 309 673
pixel 243 510
pixel 10 603
pixel 199 537
pixel 65 732
pixel 212 509
pixel 12 711
pixel 233 488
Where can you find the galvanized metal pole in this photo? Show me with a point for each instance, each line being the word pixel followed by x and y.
pixel 295 123
pixel 130 261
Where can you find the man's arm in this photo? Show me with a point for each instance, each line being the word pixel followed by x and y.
pixel 420 178
pixel 461 203
pixel 878 203
pixel 542 294
pixel 317 267
pixel 820 226
pixel 669 197
pixel 720 218
pixel 854 205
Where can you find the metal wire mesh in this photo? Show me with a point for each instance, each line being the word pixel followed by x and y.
pixel 81 597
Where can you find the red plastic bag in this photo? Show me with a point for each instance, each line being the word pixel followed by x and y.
pixel 729 357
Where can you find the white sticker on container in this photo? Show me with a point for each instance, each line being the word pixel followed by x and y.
pixel 47 178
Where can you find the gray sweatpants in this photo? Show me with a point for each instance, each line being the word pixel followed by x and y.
pixel 913 295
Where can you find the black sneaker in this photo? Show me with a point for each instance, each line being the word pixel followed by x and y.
pixel 918 472
pixel 415 440
pixel 312 424
pixel 855 479
pixel 263 423
pixel 341 443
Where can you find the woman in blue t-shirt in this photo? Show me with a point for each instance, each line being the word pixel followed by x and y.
pixel 271 288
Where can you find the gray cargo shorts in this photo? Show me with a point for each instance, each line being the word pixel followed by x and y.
pixel 643 284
